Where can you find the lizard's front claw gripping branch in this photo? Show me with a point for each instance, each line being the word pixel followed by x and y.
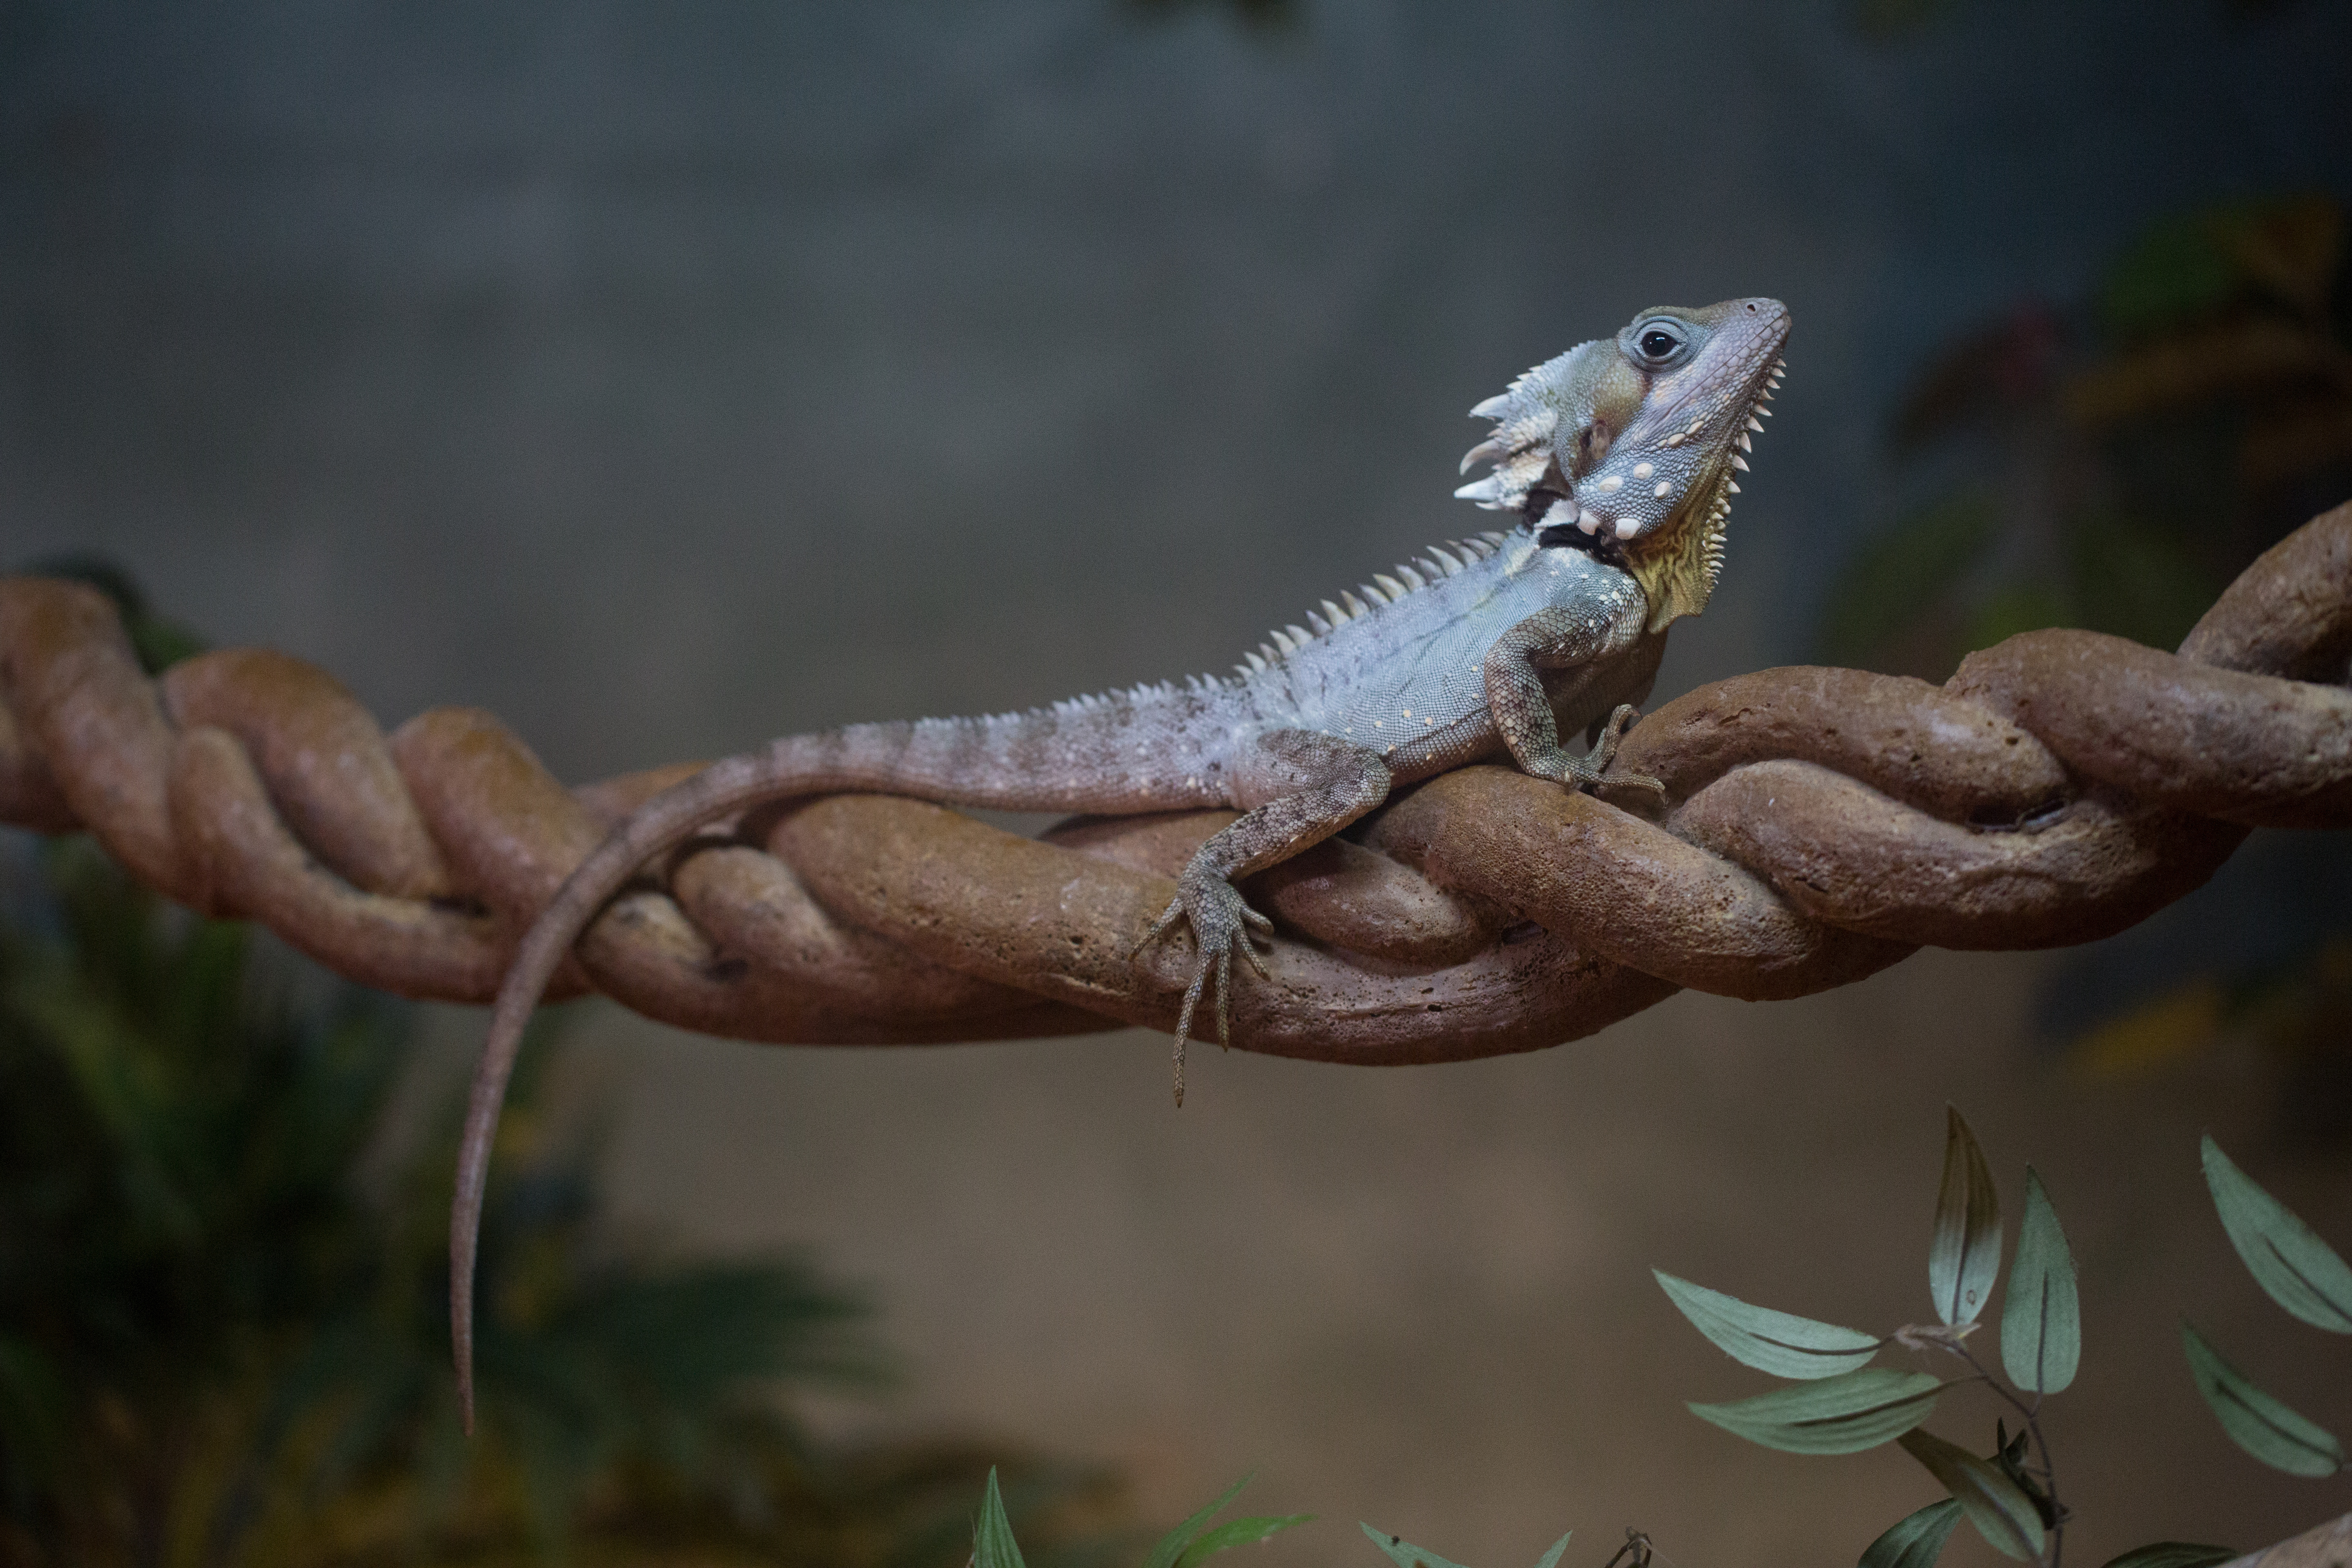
pixel 1592 771
pixel 1813 826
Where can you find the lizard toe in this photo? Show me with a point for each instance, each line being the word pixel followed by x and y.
pixel 1243 945
pixel 1225 998
pixel 1631 781
pixel 1159 928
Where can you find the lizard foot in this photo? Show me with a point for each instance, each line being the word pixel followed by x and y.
pixel 1222 926
pixel 1594 770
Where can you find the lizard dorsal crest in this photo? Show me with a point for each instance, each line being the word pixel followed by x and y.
pixel 1438 564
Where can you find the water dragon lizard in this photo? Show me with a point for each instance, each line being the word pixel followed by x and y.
pixel 1615 460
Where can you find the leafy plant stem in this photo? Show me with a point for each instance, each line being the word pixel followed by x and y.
pixel 2030 1414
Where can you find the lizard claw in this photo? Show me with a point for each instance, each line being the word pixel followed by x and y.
pixel 1631 781
pixel 1222 925
pixel 1595 770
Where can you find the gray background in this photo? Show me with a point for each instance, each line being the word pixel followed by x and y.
pixel 667 377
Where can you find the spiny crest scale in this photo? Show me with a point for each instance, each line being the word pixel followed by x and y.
pixel 1450 559
pixel 1527 417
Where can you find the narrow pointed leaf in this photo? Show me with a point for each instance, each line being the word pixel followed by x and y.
pixel 2302 1273
pixel 2002 1514
pixel 2008 1458
pixel 1964 1256
pixel 1237 1533
pixel 2257 1423
pixel 1779 1343
pixel 2041 1319
pixel 1914 1541
pixel 1551 1558
pixel 1171 1545
pixel 1841 1415
pixel 2173 1554
pixel 1405 1554
pixel 992 1533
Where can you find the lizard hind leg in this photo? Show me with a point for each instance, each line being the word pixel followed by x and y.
pixel 1302 788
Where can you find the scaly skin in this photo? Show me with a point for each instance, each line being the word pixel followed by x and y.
pixel 1616 459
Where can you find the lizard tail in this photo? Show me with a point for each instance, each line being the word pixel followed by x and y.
pixel 662 822
pixel 1074 756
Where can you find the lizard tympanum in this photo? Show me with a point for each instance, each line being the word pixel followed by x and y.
pixel 1615 461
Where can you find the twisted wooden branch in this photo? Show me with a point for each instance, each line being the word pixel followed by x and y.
pixel 1817 826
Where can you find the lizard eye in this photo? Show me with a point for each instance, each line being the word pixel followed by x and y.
pixel 1658 343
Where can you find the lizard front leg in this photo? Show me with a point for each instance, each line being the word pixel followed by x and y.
pixel 1522 710
pixel 1306 786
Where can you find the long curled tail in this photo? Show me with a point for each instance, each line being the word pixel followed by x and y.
pixel 1074 756
pixel 667 819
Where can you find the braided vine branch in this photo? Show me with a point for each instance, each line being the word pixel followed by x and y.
pixel 1817 826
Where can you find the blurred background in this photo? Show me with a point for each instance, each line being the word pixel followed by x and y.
pixel 664 378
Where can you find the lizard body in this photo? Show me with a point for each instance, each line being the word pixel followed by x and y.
pixel 1616 459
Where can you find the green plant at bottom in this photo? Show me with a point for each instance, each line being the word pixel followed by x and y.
pixel 220 1346
pixel 1839 1403
pixel 1188 1545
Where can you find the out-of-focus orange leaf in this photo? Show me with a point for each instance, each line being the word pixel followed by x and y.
pixel 2291 249
pixel 2009 365
pixel 2289 442
pixel 2252 355
pixel 2173 1025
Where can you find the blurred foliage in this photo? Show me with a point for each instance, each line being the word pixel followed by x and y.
pixel 159 641
pixel 2295 1008
pixel 2113 463
pixel 219 1345
pixel 1190 1544
pixel 2125 454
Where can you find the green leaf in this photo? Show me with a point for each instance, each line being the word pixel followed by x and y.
pixel 1964 1256
pixel 2019 608
pixel 1908 568
pixel 2008 1456
pixel 2173 271
pixel 2136 579
pixel 2002 1514
pixel 1779 1343
pixel 1403 1553
pixel 1551 1558
pixel 1914 1541
pixel 2301 1272
pixel 2041 1321
pixel 1238 1533
pixel 2172 1555
pixel 992 1533
pixel 2257 1423
pixel 1171 1545
pixel 1841 1415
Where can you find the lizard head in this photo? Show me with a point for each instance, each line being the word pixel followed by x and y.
pixel 1626 446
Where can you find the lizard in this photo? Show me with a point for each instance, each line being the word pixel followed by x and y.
pixel 1615 462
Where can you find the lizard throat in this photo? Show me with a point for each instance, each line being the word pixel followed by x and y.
pixel 1678 564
